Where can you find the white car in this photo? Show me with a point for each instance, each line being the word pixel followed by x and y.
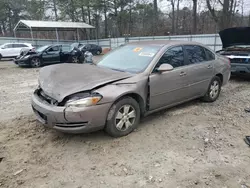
pixel 8 50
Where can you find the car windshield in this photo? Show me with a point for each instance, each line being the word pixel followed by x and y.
pixel 130 58
pixel 42 48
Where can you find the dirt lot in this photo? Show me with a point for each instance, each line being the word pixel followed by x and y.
pixel 192 145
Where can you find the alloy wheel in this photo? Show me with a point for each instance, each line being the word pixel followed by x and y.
pixel 125 117
pixel 35 62
pixel 75 59
pixel 214 89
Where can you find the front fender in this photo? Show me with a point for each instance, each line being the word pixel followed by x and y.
pixel 113 92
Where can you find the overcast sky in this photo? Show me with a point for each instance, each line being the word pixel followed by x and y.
pixel 165 5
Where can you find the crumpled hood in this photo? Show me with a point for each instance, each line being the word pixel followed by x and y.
pixel 62 80
pixel 235 36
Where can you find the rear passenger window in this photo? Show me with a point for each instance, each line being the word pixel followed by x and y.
pixel 19 45
pixel 210 55
pixel 8 46
pixel 173 56
pixel 195 54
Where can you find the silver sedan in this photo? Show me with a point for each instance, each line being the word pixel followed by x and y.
pixel 132 81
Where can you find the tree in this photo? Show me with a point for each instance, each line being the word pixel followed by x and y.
pixel 173 15
pixel 155 16
pixel 194 29
pixel 223 18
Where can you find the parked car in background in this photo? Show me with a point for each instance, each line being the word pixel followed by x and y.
pixel 132 81
pixel 77 45
pixel 93 48
pixel 49 54
pixel 236 47
pixel 10 50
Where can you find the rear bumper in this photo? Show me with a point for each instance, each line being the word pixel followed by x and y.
pixel 70 119
pixel 240 68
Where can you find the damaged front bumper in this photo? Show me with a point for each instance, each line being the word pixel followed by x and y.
pixel 70 119
pixel 22 62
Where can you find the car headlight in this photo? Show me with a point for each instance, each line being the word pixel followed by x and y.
pixel 26 57
pixel 84 102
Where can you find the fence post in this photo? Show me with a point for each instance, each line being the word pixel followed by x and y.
pixel 110 43
pixel 215 41
pixel 191 37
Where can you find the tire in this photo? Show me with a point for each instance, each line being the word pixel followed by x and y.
pixel 213 91
pixel 1 56
pixel 35 62
pixel 75 59
pixel 119 122
pixel 98 52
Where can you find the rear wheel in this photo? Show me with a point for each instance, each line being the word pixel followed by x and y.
pixel 98 52
pixel 123 117
pixel 35 62
pixel 213 91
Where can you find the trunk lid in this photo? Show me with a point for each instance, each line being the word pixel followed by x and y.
pixel 60 81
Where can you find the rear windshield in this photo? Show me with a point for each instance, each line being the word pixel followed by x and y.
pixel 130 58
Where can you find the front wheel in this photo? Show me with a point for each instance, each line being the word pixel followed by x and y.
pixel 213 91
pixel 75 59
pixel 35 62
pixel 123 117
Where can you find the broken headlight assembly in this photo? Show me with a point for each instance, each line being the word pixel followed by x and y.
pixel 83 100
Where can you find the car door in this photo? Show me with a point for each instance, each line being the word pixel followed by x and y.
pixel 65 53
pixel 6 50
pixel 52 55
pixel 169 88
pixel 200 70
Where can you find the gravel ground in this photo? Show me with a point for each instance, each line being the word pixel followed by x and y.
pixel 192 145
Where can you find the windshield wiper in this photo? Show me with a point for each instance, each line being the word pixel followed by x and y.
pixel 117 70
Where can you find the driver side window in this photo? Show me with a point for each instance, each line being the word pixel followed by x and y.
pixel 173 56
pixel 54 49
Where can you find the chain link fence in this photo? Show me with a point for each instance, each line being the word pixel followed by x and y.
pixel 211 40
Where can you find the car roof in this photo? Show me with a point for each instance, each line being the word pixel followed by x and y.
pixel 165 42
pixel 17 43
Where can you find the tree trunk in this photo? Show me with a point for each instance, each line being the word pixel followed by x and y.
pixel 130 17
pixel 10 21
pixel 105 19
pixel 116 19
pixel 177 17
pixel 55 10
pixel 89 20
pixel 226 15
pixel 155 17
pixel 173 16
pixel 72 9
pixel 83 20
pixel 194 16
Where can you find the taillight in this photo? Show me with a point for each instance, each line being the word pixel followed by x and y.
pixel 33 49
pixel 229 62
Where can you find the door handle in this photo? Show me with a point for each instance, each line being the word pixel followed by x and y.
pixel 183 74
pixel 209 66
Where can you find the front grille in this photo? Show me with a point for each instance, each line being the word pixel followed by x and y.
pixel 46 98
pixel 240 60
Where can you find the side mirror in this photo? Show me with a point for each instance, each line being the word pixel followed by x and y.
pixel 165 68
